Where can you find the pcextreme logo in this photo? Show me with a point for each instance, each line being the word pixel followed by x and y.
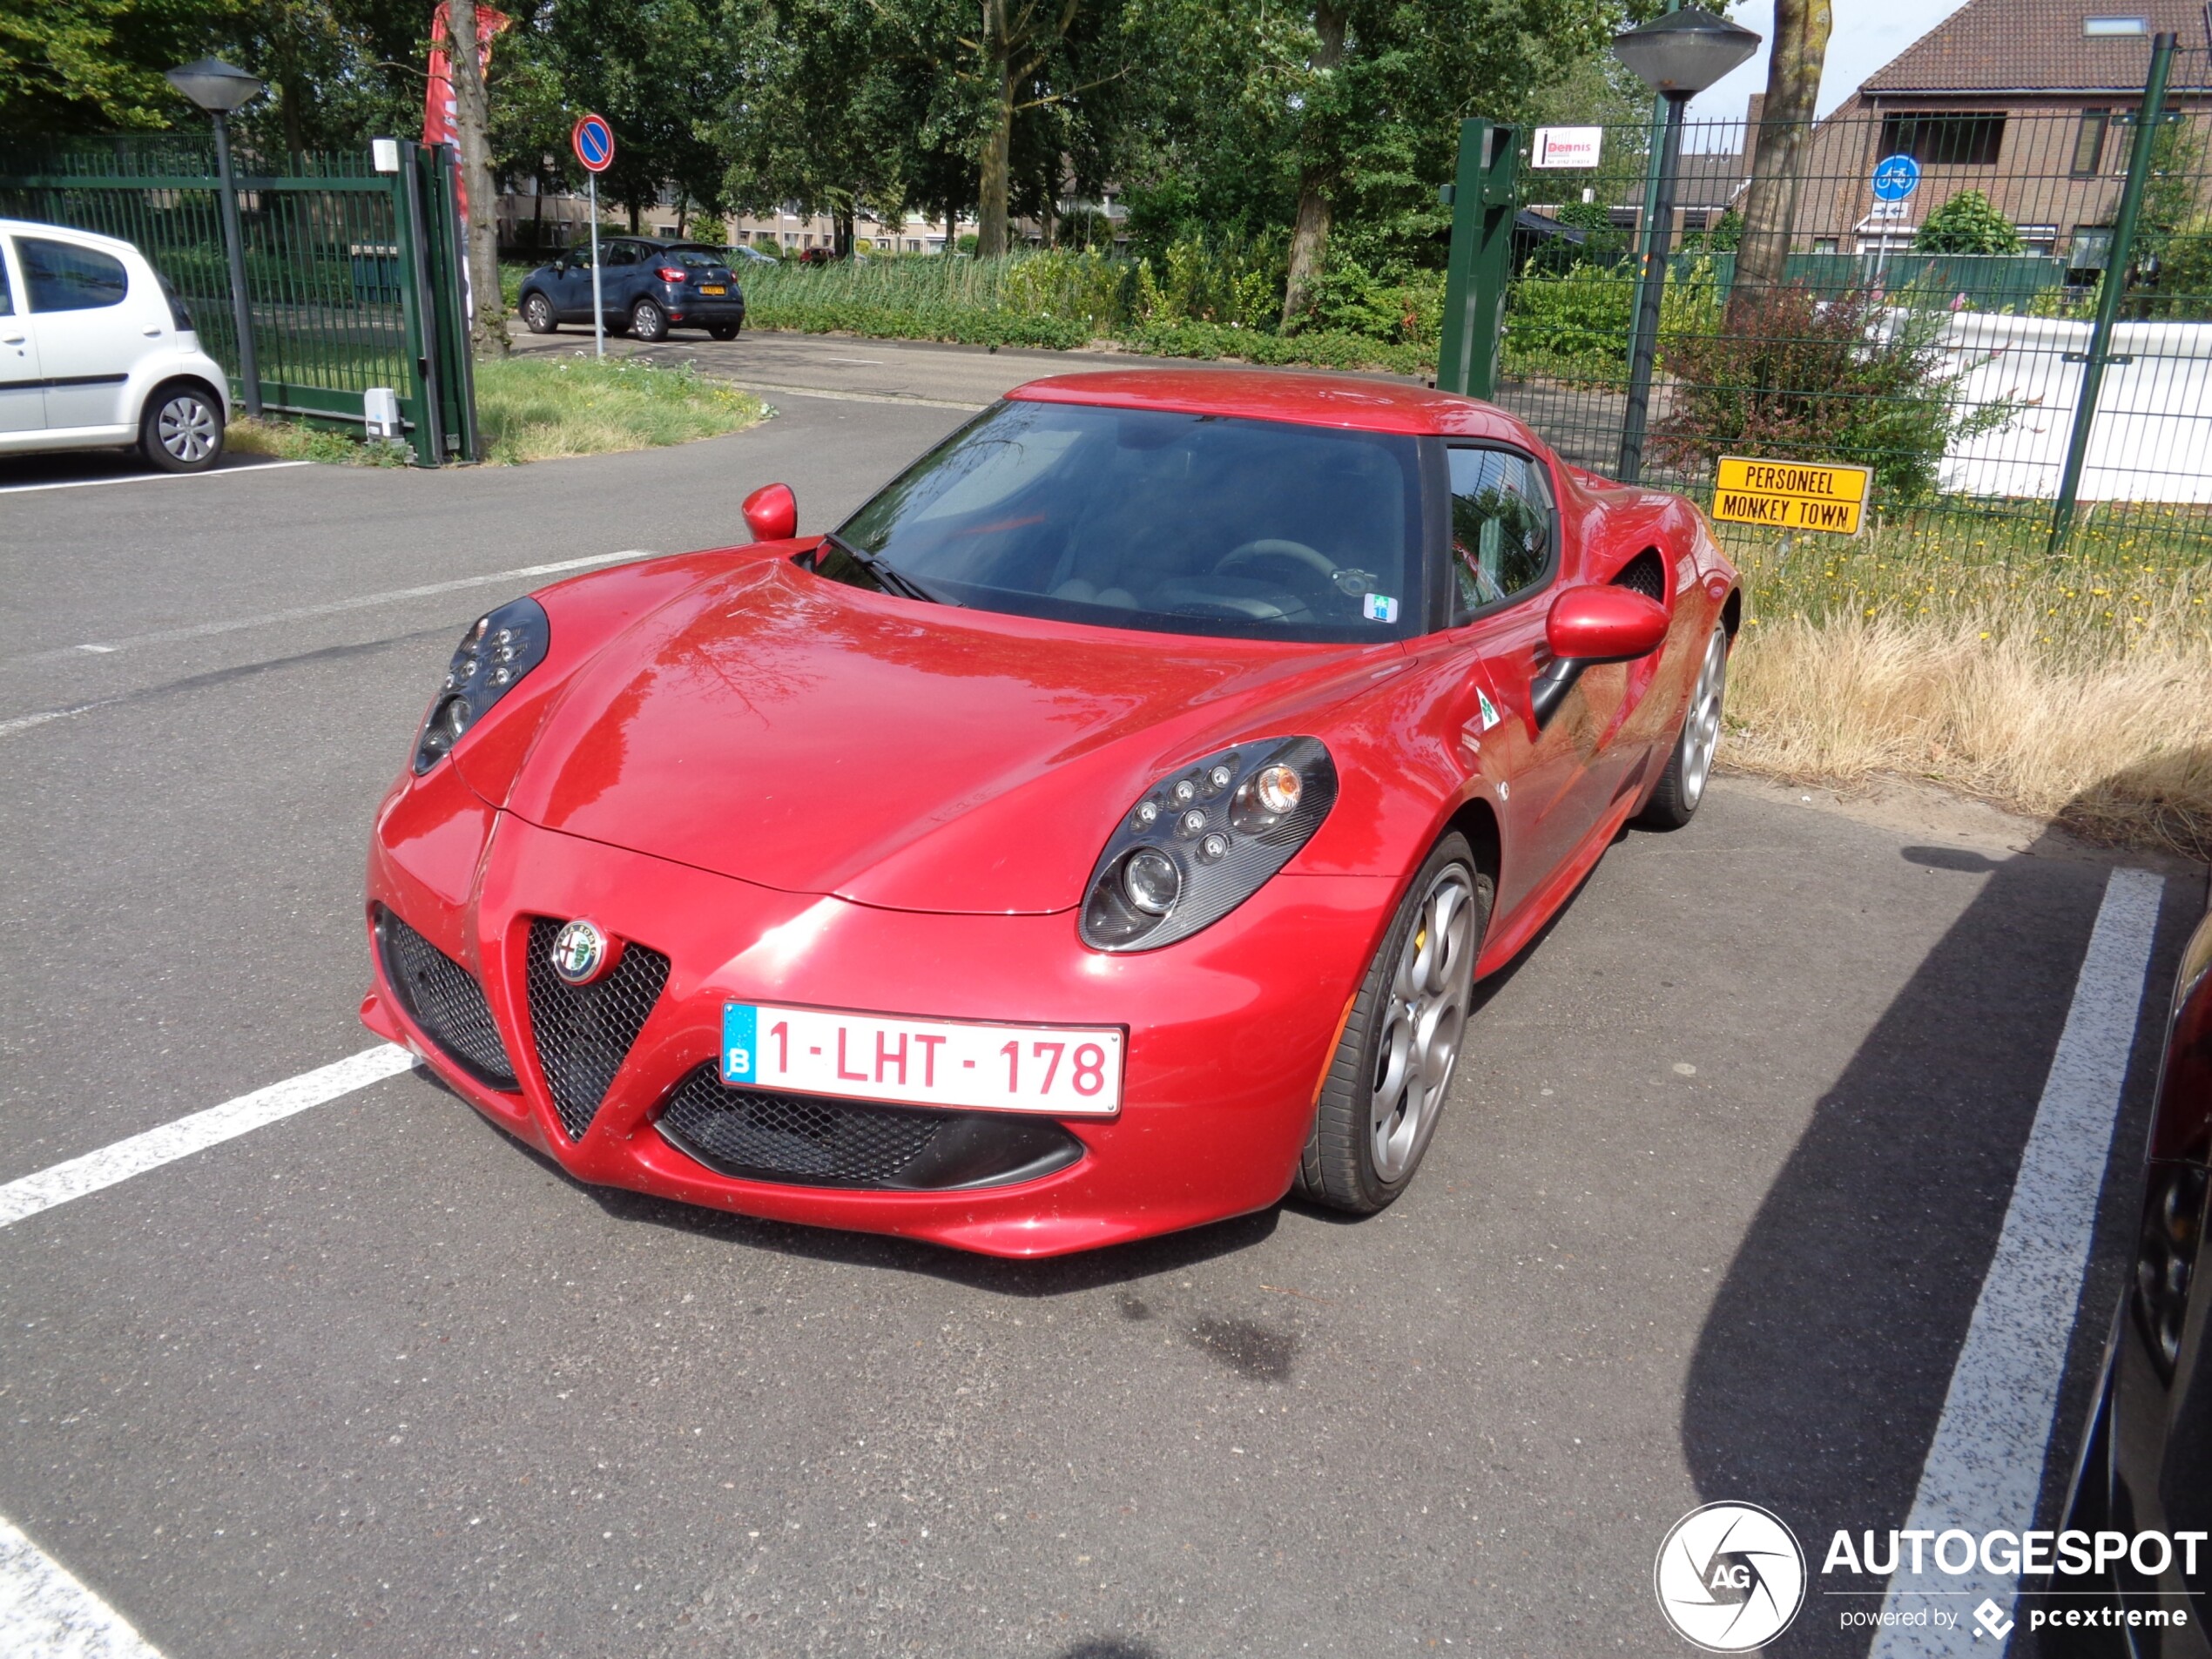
pixel 1730 1577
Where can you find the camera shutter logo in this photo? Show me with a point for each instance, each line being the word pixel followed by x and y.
pixel 1730 1577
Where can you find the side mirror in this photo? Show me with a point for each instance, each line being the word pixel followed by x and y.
pixel 771 513
pixel 1587 626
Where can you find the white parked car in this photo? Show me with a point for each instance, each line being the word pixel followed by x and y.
pixel 97 351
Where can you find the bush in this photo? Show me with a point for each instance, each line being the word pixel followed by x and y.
pixel 1799 378
pixel 1968 223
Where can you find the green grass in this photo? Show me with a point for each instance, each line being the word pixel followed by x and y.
pixel 288 439
pixel 535 408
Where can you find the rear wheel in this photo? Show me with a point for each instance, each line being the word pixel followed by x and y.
pixel 648 321
pixel 181 429
pixel 1683 785
pixel 1394 1064
pixel 537 312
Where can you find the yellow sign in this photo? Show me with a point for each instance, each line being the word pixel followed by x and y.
pixel 1791 495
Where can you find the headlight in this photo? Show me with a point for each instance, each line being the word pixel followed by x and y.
pixel 494 656
pixel 1204 840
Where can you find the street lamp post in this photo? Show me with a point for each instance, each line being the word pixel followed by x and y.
pixel 1677 56
pixel 217 88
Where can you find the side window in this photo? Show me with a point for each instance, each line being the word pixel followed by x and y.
pixel 623 253
pixel 1502 527
pixel 60 276
pixel 7 295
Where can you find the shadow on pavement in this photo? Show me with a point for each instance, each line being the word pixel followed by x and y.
pixel 1825 1361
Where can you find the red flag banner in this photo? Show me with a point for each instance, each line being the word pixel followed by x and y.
pixel 437 105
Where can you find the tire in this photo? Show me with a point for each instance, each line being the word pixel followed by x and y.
pixel 648 321
pixel 1386 1084
pixel 181 429
pixel 1683 785
pixel 723 330
pixel 537 312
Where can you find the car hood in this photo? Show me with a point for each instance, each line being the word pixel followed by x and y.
pixel 783 729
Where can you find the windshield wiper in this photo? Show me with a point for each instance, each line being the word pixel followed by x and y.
pixel 886 576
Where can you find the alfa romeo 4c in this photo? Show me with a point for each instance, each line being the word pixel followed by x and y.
pixel 1100 833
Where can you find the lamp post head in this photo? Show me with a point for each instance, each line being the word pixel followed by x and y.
pixel 1683 53
pixel 215 85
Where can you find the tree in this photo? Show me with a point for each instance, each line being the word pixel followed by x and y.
pixel 1968 223
pixel 472 137
pixel 661 72
pixel 71 66
pixel 1799 49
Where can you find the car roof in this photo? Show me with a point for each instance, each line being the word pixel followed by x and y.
pixel 1281 395
pixel 91 239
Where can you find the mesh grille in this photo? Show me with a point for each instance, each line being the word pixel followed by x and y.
pixel 583 1032
pixel 1644 574
pixel 793 1137
pixel 440 995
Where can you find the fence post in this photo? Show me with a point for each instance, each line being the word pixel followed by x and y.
pixel 2109 291
pixel 421 402
pixel 1647 226
pixel 1480 264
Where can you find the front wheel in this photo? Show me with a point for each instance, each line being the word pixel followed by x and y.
pixel 537 312
pixel 181 429
pixel 1393 1066
pixel 1683 785
pixel 648 321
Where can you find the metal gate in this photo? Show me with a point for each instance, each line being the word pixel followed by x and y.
pixel 354 278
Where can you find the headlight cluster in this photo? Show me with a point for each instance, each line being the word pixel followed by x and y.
pixel 494 656
pixel 1204 840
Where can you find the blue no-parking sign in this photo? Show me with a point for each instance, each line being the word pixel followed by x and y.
pixel 594 141
pixel 1896 178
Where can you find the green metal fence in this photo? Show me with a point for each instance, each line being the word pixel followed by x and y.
pixel 2020 349
pixel 352 276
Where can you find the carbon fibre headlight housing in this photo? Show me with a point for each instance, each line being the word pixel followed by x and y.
pixel 499 648
pixel 1204 840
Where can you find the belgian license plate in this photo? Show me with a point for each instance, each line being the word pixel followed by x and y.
pixel 712 287
pixel 1069 1071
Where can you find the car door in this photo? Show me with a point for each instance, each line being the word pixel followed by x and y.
pixel 88 335
pixel 568 285
pixel 621 277
pixel 23 399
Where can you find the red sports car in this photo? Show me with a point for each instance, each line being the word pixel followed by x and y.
pixel 1099 833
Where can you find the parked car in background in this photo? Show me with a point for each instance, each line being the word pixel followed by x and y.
pixel 2147 1464
pixel 96 351
pixel 751 255
pixel 647 286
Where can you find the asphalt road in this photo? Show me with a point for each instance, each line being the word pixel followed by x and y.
pixel 1706 1218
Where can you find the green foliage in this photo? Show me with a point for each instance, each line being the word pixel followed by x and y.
pixel 1799 378
pixel 1585 216
pixel 1574 325
pixel 289 440
pixel 1968 223
pixel 536 408
pixel 1725 235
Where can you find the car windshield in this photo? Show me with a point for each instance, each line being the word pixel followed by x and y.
pixel 1140 518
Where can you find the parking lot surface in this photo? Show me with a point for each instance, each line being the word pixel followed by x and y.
pixel 1707 1217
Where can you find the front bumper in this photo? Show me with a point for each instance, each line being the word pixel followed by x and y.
pixel 1229 1032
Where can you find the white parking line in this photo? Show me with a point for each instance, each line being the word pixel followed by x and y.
pixel 329 608
pixel 74 1179
pixel 47 1613
pixel 1985 1468
pixel 154 477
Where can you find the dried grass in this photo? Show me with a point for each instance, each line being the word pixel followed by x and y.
pixel 2082 695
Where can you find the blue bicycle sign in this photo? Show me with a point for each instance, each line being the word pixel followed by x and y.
pixel 1896 178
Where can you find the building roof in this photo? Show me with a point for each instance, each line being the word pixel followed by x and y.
pixel 2035 46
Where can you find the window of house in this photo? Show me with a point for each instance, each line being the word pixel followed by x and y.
pixel 2096 28
pixel 1824 244
pixel 2039 239
pixel 1968 138
pixel 2090 248
pixel 2089 143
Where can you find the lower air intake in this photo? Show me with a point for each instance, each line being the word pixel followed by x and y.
pixel 583 1032
pixel 756 1134
pixel 444 1001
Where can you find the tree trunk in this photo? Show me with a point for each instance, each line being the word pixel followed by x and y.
pixel 998 148
pixel 1309 235
pixel 842 230
pixel 294 94
pixel 472 136
pixel 1801 30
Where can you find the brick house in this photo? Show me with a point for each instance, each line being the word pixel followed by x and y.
pixel 2031 102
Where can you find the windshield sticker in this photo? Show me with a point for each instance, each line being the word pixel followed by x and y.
pixel 1380 607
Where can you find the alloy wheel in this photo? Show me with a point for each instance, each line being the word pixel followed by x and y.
pixel 186 428
pixel 1426 1017
pixel 1701 730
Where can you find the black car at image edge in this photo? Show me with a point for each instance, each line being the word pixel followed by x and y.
pixel 2147 1462
pixel 647 286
